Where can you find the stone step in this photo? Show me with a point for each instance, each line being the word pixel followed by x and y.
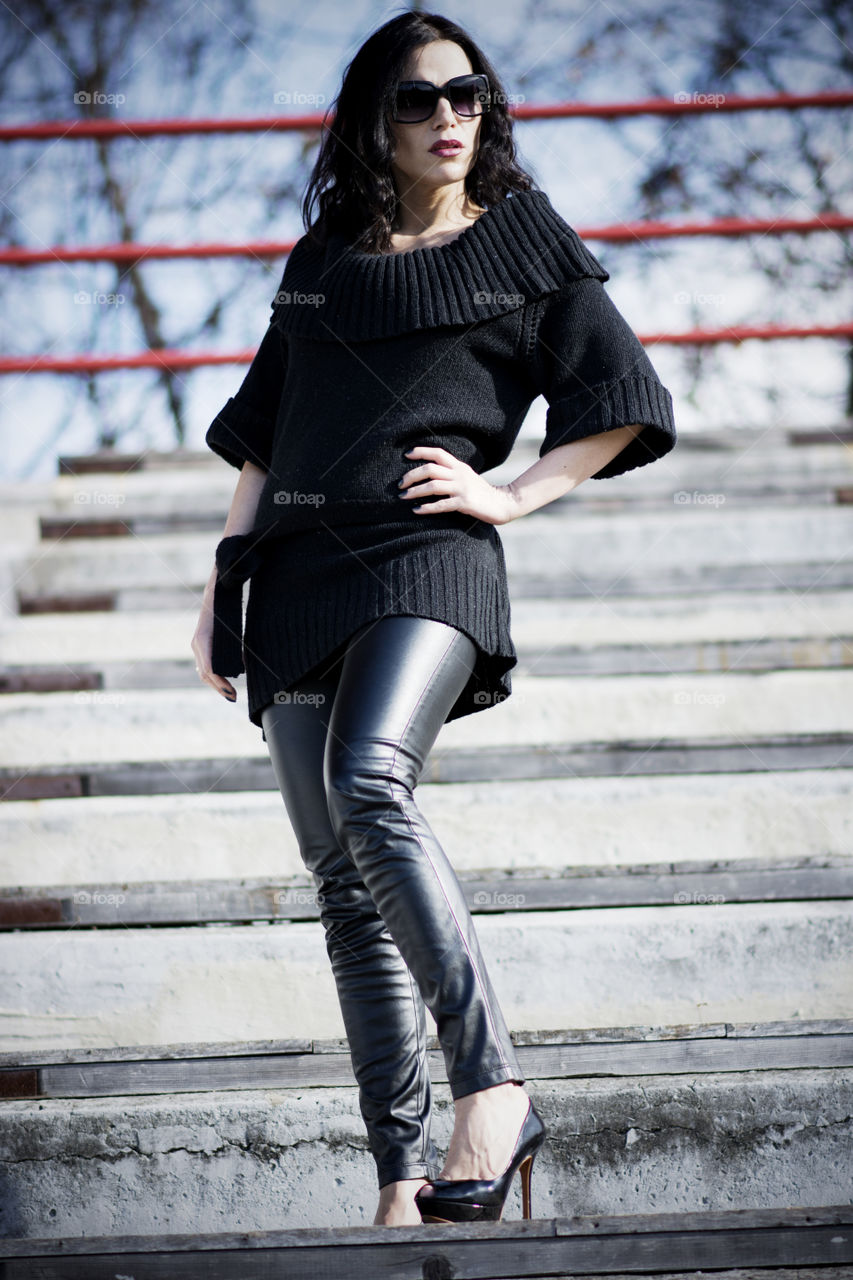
pixel 608 966
pixel 757 474
pixel 274 1159
pixel 185 724
pixel 625 553
pixel 765 631
pixel 684 538
pixel 753 820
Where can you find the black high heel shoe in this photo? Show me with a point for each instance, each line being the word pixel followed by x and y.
pixel 482 1199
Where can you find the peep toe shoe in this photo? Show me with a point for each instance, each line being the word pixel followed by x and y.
pixel 482 1200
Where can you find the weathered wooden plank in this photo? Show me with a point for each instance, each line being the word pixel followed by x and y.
pixel 565 1036
pixel 765 654
pixel 167 1052
pixel 819 435
pixel 539 1062
pixel 43 784
pixel 107 460
pixel 554 760
pixel 54 527
pixel 808 1027
pixel 73 602
pixel 579 1225
pixel 640 1244
pixel 48 679
pixel 235 901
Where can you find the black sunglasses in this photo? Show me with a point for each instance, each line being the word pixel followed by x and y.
pixel 417 99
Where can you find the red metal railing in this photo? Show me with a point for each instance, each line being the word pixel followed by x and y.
pixel 173 359
pixel 130 253
pixel 696 104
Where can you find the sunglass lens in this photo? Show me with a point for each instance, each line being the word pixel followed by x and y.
pixel 468 97
pixel 414 103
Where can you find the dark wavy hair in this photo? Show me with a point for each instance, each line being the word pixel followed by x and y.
pixel 352 181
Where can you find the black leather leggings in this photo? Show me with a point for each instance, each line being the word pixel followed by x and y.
pixel 347 749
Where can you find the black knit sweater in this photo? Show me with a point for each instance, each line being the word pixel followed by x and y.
pixel 366 356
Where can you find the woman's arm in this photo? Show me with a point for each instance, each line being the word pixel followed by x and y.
pixel 241 519
pixel 460 488
pixel 563 469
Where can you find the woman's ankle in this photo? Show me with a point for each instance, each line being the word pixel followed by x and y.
pixel 493 1093
pixel 397 1205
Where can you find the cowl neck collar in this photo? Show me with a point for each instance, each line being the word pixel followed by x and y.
pixel 515 252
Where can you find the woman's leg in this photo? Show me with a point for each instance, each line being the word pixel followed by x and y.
pixel 398 680
pixel 382 1009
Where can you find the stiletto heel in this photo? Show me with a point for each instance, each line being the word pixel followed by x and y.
pixel 526 1175
pixel 483 1199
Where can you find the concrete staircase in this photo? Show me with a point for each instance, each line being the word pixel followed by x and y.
pixel 654 832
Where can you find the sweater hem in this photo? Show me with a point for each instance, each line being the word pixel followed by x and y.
pixel 310 628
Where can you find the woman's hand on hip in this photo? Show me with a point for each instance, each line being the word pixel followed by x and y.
pixel 457 485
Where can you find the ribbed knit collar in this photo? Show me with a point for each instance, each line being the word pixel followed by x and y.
pixel 515 252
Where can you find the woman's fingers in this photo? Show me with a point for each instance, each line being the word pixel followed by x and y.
pixel 219 683
pixel 202 643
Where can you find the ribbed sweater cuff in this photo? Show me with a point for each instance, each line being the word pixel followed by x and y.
pixel 633 399
pixel 240 433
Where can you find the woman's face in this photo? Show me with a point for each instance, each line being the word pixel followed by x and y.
pixel 413 163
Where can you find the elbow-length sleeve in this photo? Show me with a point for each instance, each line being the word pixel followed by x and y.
pixel 243 429
pixel 592 369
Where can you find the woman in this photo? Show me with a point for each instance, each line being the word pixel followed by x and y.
pixel 435 296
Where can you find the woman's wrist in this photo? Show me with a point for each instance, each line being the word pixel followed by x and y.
pixel 209 588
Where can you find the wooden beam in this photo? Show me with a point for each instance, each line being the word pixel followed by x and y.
pixel 595 1246
pixel 190 902
pixel 151 1072
pixel 108 460
pixel 53 527
pixel 638 756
